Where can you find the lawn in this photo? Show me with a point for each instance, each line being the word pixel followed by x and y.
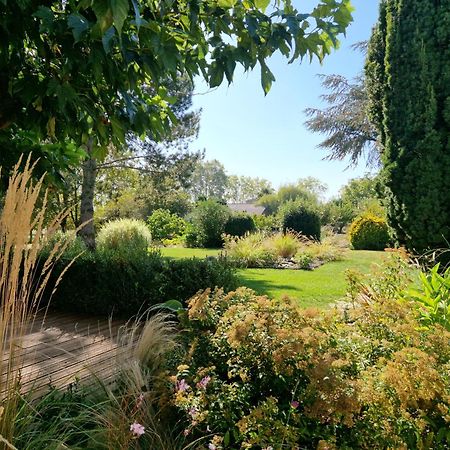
pixel 313 288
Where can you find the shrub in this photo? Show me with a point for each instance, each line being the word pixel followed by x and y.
pixel 240 224
pixel 124 237
pixel 101 283
pixel 300 218
pixel 369 232
pixel 71 243
pixel 264 374
pixel 165 225
pixel 267 224
pixel 208 220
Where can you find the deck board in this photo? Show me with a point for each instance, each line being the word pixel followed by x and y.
pixel 60 349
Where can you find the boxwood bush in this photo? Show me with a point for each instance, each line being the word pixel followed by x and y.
pixel 301 218
pixel 369 232
pixel 239 224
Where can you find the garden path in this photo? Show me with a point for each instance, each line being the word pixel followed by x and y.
pixel 61 349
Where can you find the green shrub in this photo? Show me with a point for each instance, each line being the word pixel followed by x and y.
pixel 74 245
pixel 240 224
pixel 369 232
pixel 258 373
pixel 300 218
pixel 164 225
pixel 100 283
pixel 208 220
pixel 124 237
pixel 284 245
pixel 267 224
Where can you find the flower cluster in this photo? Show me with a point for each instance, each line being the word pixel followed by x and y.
pixel 265 374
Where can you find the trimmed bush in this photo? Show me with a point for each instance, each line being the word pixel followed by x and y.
pixel 100 283
pixel 240 224
pixel 300 218
pixel 165 225
pixel 369 232
pixel 124 237
pixel 208 224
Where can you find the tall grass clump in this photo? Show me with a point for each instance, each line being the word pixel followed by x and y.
pixel 23 227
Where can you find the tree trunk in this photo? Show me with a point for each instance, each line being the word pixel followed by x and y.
pixel 87 232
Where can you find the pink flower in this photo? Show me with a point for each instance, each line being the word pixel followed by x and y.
pixel 186 432
pixel 181 386
pixel 211 446
pixel 137 429
pixel 204 382
pixel 295 404
pixel 193 411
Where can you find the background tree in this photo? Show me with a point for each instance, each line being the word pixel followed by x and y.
pixel 242 189
pixel 209 181
pixel 408 80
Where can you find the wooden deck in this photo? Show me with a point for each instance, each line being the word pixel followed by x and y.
pixel 61 349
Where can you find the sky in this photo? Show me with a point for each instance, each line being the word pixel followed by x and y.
pixel 265 137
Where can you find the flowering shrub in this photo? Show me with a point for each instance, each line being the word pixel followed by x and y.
pixel 261 374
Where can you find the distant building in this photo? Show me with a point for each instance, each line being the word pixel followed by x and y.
pixel 249 208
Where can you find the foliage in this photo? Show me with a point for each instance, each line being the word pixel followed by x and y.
pixel 337 215
pixel 101 283
pixel 209 181
pixel 208 220
pixel 411 111
pixel 300 218
pixel 369 232
pixel 240 224
pixel 259 373
pixel 241 189
pixel 307 191
pixel 267 223
pixel 165 225
pixel 125 237
pixel 433 298
pixel 344 121
pixel 285 245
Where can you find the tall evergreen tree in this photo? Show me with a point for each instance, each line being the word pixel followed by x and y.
pixel 408 83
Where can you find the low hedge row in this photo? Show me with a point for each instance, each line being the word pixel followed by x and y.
pixel 107 283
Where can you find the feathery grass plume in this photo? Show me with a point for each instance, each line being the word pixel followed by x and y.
pixel 23 230
pixel 139 397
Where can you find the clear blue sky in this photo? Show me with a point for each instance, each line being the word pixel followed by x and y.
pixel 264 136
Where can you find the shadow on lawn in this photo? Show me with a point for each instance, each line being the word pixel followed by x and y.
pixel 265 287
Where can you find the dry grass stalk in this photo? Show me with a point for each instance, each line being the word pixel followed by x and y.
pixel 23 229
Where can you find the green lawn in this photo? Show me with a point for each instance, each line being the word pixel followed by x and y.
pixel 312 288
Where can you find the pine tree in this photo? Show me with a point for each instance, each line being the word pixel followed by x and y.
pixel 408 83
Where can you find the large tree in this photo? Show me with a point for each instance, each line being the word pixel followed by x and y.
pixel 89 71
pixel 408 81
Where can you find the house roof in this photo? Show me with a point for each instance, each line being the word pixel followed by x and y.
pixel 249 208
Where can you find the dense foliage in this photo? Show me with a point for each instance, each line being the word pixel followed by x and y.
pixel 266 374
pixel 301 218
pixel 101 283
pixel 208 220
pixel 165 225
pixel 369 232
pixel 240 224
pixel 408 80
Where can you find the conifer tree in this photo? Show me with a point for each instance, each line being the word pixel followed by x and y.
pixel 408 82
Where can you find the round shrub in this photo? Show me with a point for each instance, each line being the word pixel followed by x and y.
pixel 240 224
pixel 165 225
pixel 124 236
pixel 369 232
pixel 300 218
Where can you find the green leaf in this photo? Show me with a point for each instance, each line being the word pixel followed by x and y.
pixel 107 39
pixel 79 24
pixel 137 15
pixel 266 77
pixel 262 4
pixel 118 129
pixel 216 73
pixel 104 15
pixel 47 18
pixel 172 305
pixel 120 12
pixel 226 4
